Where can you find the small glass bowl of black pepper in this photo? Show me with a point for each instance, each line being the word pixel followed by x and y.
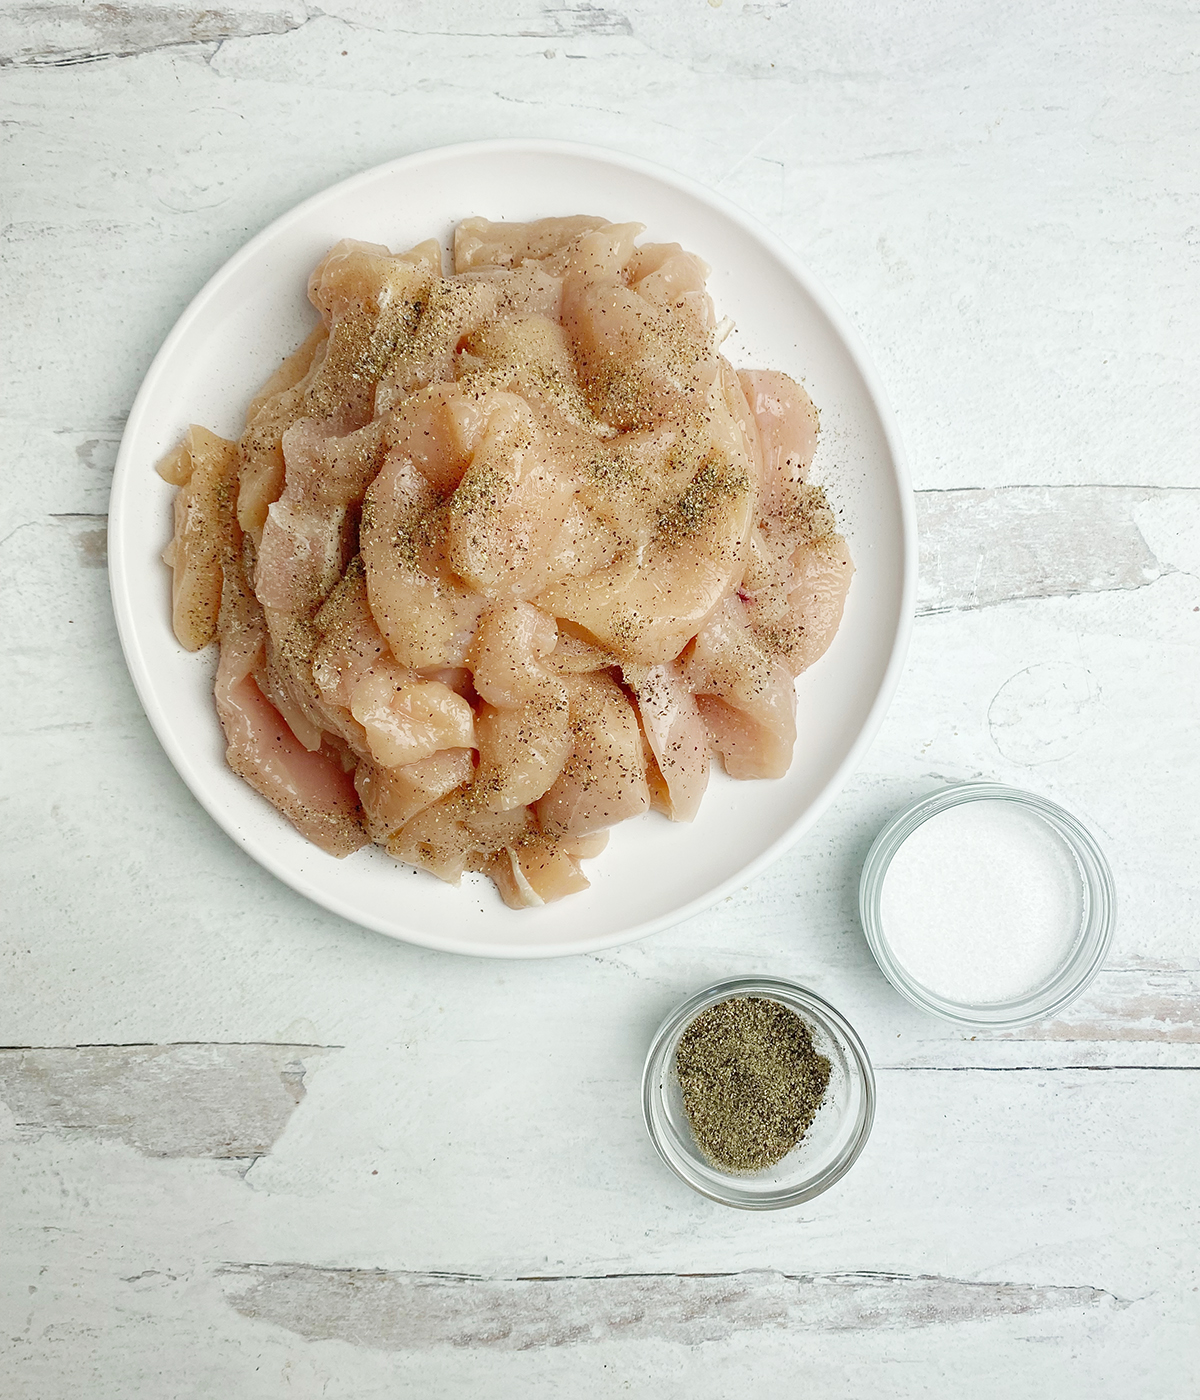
pixel 838 1111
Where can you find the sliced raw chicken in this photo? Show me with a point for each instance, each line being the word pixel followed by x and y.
pixel 438 839
pixel 522 727
pixel 798 568
pixel 535 871
pixel 491 830
pixel 356 277
pixel 450 310
pixel 514 525
pixel 305 542
pixel 660 793
pixel 438 430
pixel 651 601
pixel 426 613
pixel 787 427
pixel 350 639
pixel 522 751
pixel 277 404
pixel 509 654
pixel 664 274
pixel 604 780
pixel 478 243
pixel 676 734
pixel 204 467
pixel 640 359
pixel 585 847
pixel 291 371
pixel 407 719
pixel 746 697
pixel 292 644
pixel 452 836
pixel 524 550
pixel 822 570
pixel 530 356
pixel 311 789
pixel 572 656
pixel 392 796
pixel 273 679
pixel 371 301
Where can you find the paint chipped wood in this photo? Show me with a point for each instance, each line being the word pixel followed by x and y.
pixel 980 547
pixel 163 1100
pixel 396 1311
pixel 89 534
pixel 145 143
pixel 1130 1006
pixel 35 34
pixel 1130 1017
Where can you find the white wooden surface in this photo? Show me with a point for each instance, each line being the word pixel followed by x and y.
pixel 250 1150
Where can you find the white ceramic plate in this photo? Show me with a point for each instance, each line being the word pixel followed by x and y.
pixel 254 311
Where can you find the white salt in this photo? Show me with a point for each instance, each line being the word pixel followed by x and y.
pixel 983 902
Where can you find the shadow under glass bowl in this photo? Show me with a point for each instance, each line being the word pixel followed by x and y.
pixel 834 1139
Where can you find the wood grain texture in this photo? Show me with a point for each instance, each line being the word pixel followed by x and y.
pixel 62 34
pixel 980 547
pixel 464 1202
pixel 436 1173
pixel 163 1100
pixel 395 1311
pixel 1132 1006
pixel 1145 1017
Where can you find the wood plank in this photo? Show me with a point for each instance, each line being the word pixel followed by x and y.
pixel 1146 1018
pixel 1036 1160
pixel 164 1100
pixel 1130 1005
pixel 980 547
pixel 55 34
pixel 397 1311
pixel 1004 1235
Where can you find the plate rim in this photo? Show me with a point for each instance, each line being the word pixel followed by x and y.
pixel 122 594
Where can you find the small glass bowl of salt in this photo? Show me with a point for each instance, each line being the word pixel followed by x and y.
pixel 987 906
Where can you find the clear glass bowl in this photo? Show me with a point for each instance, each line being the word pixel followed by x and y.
pixel 826 1151
pixel 1097 911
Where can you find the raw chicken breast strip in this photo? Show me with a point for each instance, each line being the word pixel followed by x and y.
pixel 311 789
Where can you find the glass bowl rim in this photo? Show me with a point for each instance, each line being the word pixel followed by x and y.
pixel 830 1020
pixel 1069 980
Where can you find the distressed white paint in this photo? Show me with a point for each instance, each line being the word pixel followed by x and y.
pixel 1006 202
pixel 164 1100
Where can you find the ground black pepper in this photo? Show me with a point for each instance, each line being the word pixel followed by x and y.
pixel 752 1081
